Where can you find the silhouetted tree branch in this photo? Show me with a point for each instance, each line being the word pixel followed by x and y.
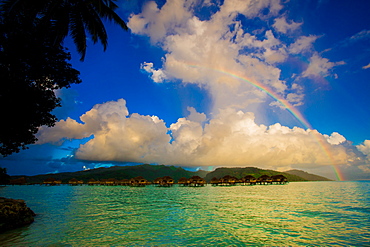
pixel 34 63
pixel 31 68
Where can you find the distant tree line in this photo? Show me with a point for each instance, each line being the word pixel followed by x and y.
pixel 165 181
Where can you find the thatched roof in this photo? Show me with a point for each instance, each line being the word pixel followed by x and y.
pixel 228 179
pixel 122 182
pixel 74 181
pixel 248 177
pixel 49 180
pixel 138 180
pixel 264 179
pixel 183 180
pixel 197 180
pixel 93 181
pixel 167 178
pixel 279 178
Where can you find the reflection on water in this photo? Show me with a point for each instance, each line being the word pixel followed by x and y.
pixel 297 214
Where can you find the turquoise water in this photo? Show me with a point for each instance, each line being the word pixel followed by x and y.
pixel 296 214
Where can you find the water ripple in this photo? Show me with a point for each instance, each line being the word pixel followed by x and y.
pixel 297 214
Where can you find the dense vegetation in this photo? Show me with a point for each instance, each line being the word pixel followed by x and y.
pixel 34 63
pixel 255 172
pixel 4 177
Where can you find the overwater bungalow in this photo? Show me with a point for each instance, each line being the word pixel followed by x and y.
pixel 197 181
pixel 264 179
pixel 214 181
pixel 249 179
pixel 183 181
pixel 111 181
pixel 103 181
pixel 93 182
pixel 279 179
pixel 228 180
pixel 124 182
pixel 138 181
pixel 165 181
pixel 51 181
pixel 74 181
pixel 157 181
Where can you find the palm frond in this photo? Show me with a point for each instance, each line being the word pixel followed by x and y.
pixel 77 31
pixel 106 11
pixel 95 27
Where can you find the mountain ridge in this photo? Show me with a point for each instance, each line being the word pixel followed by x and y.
pixel 151 172
pixel 307 176
pixel 240 172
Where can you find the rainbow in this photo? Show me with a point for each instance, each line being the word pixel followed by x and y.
pixel 290 108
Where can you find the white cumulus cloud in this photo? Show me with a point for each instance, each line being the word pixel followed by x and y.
pixel 302 44
pixel 281 25
pixel 335 138
pixel 365 148
pixel 156 75
pixel 231 138
pixel 319 66
pixel 207 52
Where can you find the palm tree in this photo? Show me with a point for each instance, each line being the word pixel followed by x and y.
pixel 67 17
pixel 33 61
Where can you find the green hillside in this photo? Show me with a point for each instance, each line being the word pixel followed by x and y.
pixel 255 172
pixel 307 176
pixel 149 172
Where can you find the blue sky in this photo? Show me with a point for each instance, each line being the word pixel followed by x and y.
pixel 157 94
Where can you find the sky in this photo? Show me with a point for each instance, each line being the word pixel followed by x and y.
pixel 204 84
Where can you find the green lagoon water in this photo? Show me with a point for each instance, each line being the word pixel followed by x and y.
pixel 296 214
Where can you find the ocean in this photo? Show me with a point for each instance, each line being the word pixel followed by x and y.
pixel 295 214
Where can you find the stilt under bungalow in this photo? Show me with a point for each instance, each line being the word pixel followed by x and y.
pixel 264 179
